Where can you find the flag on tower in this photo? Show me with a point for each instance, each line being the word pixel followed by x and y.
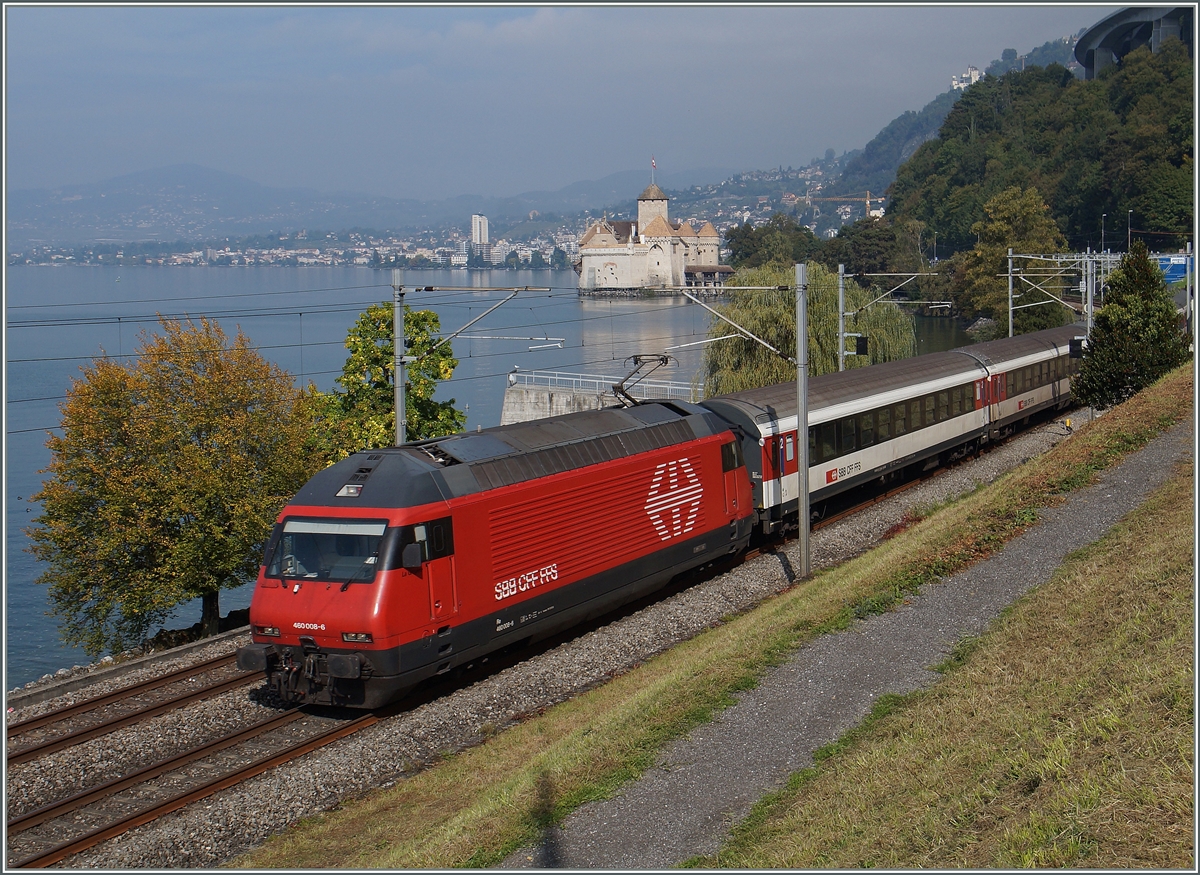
pixel 653 166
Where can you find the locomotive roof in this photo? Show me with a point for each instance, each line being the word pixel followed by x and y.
pixel 845 387
pixel 440 469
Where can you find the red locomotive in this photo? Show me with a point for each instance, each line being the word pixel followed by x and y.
pixel 398 564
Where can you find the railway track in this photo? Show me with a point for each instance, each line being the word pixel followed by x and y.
pixel 91 718
pixel 54 832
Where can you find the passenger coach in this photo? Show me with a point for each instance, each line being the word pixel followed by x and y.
pixel 873 422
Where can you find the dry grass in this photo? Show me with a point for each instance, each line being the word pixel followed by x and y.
pixel 1065 738
pixel 478 806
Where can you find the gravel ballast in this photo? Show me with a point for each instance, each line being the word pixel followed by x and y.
pixel 210 832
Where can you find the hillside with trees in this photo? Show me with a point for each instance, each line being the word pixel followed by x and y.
pixel 874 168
pixel 1118 143
pixel 1059 51
pixel 1031 160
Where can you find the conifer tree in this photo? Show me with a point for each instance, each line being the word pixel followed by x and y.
pixel 1135 338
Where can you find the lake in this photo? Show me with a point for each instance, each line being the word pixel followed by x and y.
pixel 60 318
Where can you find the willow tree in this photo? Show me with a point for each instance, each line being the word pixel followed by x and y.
pixel 165 482
pixel 755 303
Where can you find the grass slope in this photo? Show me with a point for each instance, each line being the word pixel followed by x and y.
pixel 481 804
pixel 1063 738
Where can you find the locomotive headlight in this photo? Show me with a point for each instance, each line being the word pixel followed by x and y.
pixel 357 637
pixel 270 631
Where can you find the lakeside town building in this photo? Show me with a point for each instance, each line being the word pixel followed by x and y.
pixel 650 253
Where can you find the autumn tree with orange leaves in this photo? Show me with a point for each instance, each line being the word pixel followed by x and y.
pixel 165 481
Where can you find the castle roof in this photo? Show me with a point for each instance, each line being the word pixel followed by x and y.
pixel 658 227
pixel 653 193
pixel 685 230
pixel 708 231
pixel 607 233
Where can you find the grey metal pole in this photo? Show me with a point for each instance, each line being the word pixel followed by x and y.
pixel 802 414
pixel 1187 268
pixel 841 317
pixel 399 348
pixel 1091 290
pixel 1010 300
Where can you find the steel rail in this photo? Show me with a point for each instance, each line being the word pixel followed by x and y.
pixel 115 723
pixel 117 695
pixel 139 818
pixel 39 816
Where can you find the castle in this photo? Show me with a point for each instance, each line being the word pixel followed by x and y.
pixel 652 252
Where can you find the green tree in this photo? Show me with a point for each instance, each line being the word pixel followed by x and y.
pixel 1016 219
pixel 738 363
pixel 362 414
pixel 781 239
pixel 165 482
pixel 1135 339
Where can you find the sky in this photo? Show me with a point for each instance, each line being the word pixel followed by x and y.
pixel 437 101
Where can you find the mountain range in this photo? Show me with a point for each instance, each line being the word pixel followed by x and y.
pixel 192 202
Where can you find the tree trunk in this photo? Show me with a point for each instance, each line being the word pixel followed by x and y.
pixel 210 615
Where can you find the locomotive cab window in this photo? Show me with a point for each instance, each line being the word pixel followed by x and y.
pixel 731 456
pixel 341 551
pixel 433 540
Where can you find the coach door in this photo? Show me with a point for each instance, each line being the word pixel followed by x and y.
pixel 731 462
pixel 430 553
pixel 788 466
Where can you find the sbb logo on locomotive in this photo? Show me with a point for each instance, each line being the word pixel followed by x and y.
pixel 674 500
pixel 525 582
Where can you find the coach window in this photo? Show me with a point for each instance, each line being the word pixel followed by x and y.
pixel 791 448
pixel 813 456
pixel 900 411
pixel 866 430
pixel 956 401
pixel 930 410
pixel 828 441
pixel 943 406
pixel 915 419
pixel 883 424
pixel 849 442
pixel 1010 380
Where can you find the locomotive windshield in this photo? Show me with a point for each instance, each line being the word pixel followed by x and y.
pixel 334 550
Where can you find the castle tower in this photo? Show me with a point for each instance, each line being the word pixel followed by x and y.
pixel 651 203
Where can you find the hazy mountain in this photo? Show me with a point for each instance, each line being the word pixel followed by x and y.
pixel 191 202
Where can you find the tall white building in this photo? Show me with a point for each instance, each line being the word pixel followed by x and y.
pixel 479 230
pixel 652 252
